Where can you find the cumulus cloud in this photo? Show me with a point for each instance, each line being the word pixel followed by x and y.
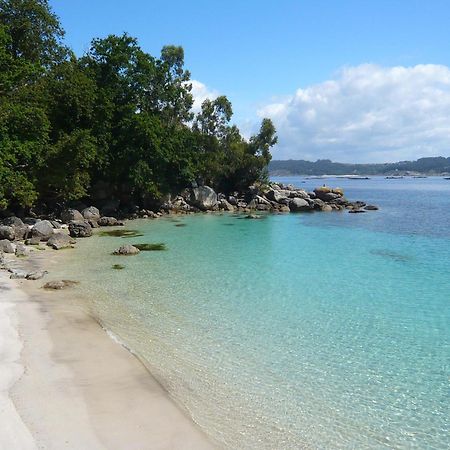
pixel 200 93
pixel 366 113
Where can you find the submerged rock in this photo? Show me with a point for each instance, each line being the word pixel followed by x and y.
pixel 36 275
pixel 126 250
pixel 371 208
pixel 61 284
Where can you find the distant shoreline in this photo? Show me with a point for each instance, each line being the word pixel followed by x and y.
pixel 434 166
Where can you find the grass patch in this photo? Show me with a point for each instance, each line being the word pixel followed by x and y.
pixel 118 266
pixel 151 247
pixel 121 233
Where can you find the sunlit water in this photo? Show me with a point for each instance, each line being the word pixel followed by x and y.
pixel 324 330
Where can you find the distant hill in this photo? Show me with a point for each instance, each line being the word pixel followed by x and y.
pixel 423 166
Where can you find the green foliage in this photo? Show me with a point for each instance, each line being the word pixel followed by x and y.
pixel 117 115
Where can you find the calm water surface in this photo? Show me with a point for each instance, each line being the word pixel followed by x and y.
pixel 316 331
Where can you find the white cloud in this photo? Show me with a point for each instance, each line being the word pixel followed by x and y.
pixel 200 93
pixel 367 113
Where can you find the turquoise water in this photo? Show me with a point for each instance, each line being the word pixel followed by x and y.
pixel 295 331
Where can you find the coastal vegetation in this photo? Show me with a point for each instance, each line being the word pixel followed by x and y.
pixel 426 166
pixel 114 123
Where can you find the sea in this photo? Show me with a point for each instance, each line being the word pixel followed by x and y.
pixel 322 330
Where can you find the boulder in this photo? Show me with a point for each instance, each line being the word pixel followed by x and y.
pixel 277 196
pixel 107 221
pixel 91 213
pixel 22 250
pixel 328 194
pixel 61 284
pixel 18 274
pixel 79 229
pixel 232 200
pixel 60 240
pixel 6 246
pixel 203 197
pixel 7 232
pixel 36 275
pixel 227 206
pixel 42 230
pixel 299 204
pixel 20 229
pixel 126 250
pixel 326 208
pixel 69 215
pixel 33 241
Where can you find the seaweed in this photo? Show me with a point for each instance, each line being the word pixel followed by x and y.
pixel 180 224
pixel 118 266
pixel 151 247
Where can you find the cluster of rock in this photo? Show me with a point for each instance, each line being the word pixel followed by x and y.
pixel 275 197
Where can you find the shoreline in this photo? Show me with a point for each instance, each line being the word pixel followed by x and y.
pixel 74 386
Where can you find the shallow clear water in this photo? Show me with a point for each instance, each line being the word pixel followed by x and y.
pixel 324 330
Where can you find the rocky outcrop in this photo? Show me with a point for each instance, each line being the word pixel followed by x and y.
pixel 91 213
pixel 42 230
pixel 69 215
pixel 60 240
pixel 203 197
pixel 20 229
pixel 126 250
pixel 80 229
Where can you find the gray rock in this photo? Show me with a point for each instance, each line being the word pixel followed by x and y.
pixel 371 208
pixel 232 200
pixel 33 241
pixel 107 221
pixel 91 213
pixel 126 249
pixel 7 232
pixel 227 206
pixel 203 197
pixel 79 229
pixel 326 208
pixel 43 230
pixel 36 275
pixel 277 196
pixel 299 204
pixel 60 240
pixel 20 229
pixel 56 225
pixel 6 246
pixel 71 214
pixel 18 274
pixel 22 250
pixel 92 223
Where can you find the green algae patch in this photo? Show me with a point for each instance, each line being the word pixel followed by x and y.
pixel 151 247
pixel 121 233
pixel 118 266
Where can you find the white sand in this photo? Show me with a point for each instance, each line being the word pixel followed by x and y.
pixel 79 389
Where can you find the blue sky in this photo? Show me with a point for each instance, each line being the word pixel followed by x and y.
pixel 260 53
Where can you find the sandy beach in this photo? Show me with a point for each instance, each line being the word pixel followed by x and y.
pixel 66 384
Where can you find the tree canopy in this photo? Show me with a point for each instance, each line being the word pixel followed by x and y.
pixel 116 116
